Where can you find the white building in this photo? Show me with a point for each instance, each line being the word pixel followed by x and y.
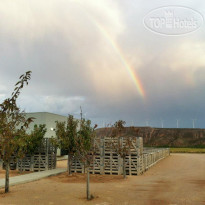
pixel 49 119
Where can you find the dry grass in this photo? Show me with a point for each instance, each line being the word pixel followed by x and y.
pixel 187 150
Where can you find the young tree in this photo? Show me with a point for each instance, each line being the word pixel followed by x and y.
pixel 78 143
pixel 12 126
pixel 35 138
pixel 85 142
pixel 123 144
pixel 28 143
pixel 66 137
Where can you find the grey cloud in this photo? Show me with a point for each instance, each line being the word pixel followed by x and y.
pixel 74 63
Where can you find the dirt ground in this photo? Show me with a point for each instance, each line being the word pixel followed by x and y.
pixel 176 180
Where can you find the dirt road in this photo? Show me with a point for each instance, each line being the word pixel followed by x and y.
pixel 178 179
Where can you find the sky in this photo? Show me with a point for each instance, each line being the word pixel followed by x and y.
pixel 100 55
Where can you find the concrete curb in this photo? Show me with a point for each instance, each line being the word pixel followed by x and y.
pixel 31 177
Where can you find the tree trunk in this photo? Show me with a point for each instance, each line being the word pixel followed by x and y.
pixel 7 167
pixel 21 169
pixel 88 184
pixel 69 164
pixel 124 171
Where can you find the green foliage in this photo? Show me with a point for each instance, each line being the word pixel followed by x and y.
pixel 187 150
pixel 85 141
pixel 168 146
pixel 118 128
pixel 198 146
pixel 120 124
pixel 34 140
pixel 85 144
pixel 86 134
pixel 76 142
pixel 13 122
pixel 121 148
pixel 120 142
pixel 67 135
pixel 73 140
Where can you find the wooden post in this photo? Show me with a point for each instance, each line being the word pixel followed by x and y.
pixel 69 164
pixel 32 163
pixel 46 157
pixel 93 164
pixel 120 165
pixel 17 164
pixel 120 160
pixel 39 161
pixel 124 168
pixel 83 168
pixel 55 157
pixel 102 155
pixel 22 165
pixel 130 162
pixel 111 158
pixel 138 165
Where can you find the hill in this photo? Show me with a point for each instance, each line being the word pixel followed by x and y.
pixel 163 137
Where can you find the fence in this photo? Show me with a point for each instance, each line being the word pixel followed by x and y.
pixel 107 160
pixel 153 155
pixel 44 158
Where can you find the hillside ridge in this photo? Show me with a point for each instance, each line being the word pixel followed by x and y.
pixel 163 137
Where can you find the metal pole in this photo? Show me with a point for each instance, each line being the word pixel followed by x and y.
pixel 177 123
pixel 162 122
pixel 193 120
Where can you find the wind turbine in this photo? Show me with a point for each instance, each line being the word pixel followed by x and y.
pixel 132 123
pixel 177 123
pixel 193 122
pixel 103 123
pixel 162 123
pixel 85 114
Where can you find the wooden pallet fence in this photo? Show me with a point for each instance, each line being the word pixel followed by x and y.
pixel 107 161
pixel 153 155
pixel 43 159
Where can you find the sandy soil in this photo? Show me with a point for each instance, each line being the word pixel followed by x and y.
pixel 176 180
pixel 62 164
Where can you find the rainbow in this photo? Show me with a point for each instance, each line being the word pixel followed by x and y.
pixel 131 72
pixel 116 48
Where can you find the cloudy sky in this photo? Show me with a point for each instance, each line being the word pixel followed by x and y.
pixel 99 54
